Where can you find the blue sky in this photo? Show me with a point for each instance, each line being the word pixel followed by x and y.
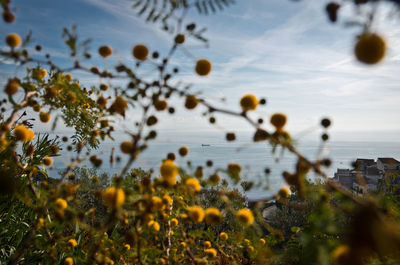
pixel 284 51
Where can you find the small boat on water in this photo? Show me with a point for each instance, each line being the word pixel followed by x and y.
pixel 205 145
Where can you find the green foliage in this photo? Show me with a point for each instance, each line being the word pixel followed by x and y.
pixel 139 217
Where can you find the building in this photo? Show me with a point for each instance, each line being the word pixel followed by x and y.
pixel 387 163
pixel 366 173
pixel 344 177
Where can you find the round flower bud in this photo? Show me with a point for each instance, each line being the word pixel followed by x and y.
pixel 211 252
pixel 61 204
pixel 174 222
pixel 72 243
pixel 69 261
pixel 183 151
pixel 278 120
pixel 223 236
pixel 248 102
pixel 191 102
pixel 105 51
pixel 47 161
pixel 234 169
pixel 154 225
pixel 180 38
pixel 68 77
pixel 284 192
pixel 207 244
pixel 203 67
pixel 160 105
pixel 13 40
pixel 12 86
pixel 140 52
pixel 44 117
pixel 8 17
pixel 39 73
pixel 370 48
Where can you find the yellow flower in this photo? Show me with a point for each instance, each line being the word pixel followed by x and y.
pixel 183 244
pixel 213 216
pixel 167 200
pixel 157 203
pixel 193 184
pixel 207 244
pixel 12 86
pixel 183 151
pixel 341 255
pixel 169 172
pixel 47 161
pixel 191 102
pixel 223 236
pixel 108 261
pixel 154 225
pixel 102 102
pixel 201 261
pixel 113 197
pixel 234 169
pixel 39 73
pixel 248 102
pixel 245 217
pixel 370 48
pixel 23 134
pixel 69 261
pixel 127 246
pixel 119 106
pixel 211 252
pixel 44 117
pixel 203 67
pixel 284 192
pixel 262 241
pixel 278 120
pixel 140 52
pixel 196 213
pixel 13 40
pixel 214 179
pixel 160 105
pixel 126 147
pixel 68 77
pixel 72 243
pixel 180 38
pixel 105 51
pixel 61 204
pixel 174 222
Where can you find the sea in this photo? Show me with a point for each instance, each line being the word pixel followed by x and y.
pixel 253 157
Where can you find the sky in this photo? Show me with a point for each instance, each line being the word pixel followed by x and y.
pixel 281 50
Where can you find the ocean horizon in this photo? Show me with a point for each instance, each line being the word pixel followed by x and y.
pixel 254 157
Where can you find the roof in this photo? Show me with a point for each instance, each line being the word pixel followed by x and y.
pixel 388 160
pixel 363 160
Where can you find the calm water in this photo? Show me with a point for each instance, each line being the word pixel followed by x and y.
pixel 254 158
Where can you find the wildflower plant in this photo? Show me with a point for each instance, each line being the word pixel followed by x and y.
pixel 179 216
